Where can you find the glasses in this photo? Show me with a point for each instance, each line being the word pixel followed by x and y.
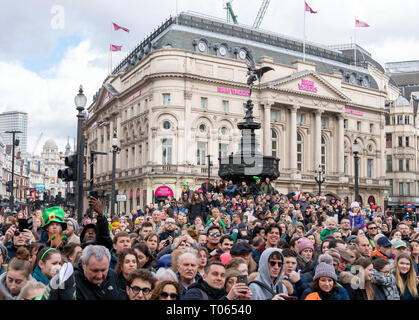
pixel 274 263
pixel 172 296
pixel 137 290
pixel 217 234
pixel 372 228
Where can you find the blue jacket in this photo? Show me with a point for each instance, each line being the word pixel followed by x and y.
pixel 357 221
pixel 39 276
pixel 114 259
pixel 230 190
pixel 341 294
pixel 300 286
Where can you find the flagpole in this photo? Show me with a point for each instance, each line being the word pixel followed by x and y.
pixel 304 39
pixel 110 45
pixel 355 43
pixel 177 22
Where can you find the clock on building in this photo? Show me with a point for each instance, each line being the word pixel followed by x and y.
pixel 242 54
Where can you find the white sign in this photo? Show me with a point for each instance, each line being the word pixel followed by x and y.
pixel 121 197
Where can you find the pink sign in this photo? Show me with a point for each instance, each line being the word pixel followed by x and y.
pixel 358 113
pixel 233 91
pixel 135 95
pixel 107 97
pixel 163 191
pixel 307 85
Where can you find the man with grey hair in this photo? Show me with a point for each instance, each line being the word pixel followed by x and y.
pixel 94 279
pixel 187 266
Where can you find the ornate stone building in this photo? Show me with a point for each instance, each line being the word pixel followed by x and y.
pixel 178 97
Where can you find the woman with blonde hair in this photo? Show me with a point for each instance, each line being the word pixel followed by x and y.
pixel 406 280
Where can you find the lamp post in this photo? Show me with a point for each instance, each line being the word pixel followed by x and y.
pixel 14 142
pixel 92 159
pixel 80 102
pixel 355 149
pixel 320 176
pixel 115 150
pixel 209 166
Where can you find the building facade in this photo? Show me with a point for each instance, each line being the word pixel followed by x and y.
pixel 179 96
pixel 15 120
pixel 51 161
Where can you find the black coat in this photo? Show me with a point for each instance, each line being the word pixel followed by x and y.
pixel 195 210
pixel 108 290
pixel 195 292
pixel 103 237
pixel 361 294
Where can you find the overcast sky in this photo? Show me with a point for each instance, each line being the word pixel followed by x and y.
pixel 48 48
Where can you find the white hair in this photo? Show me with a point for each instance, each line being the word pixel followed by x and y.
pixel 165 274
pixel 186 251
pixel 95 250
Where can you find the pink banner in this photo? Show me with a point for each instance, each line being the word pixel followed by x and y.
pixel 135 95
pixel 233 91
pixel 163 191
pixel 107 97
pixel 307 85
pixel 358 113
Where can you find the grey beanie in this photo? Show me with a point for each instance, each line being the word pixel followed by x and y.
pixel 4 252
pixel 326 258
pixel 325 270
pixel 75 224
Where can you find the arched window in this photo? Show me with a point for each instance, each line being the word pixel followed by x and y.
pixel 299 153
pixel 274 144
pixel 323 154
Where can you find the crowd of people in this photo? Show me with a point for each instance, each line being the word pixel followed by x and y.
pixel 224 242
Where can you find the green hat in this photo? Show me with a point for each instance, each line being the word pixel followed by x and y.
pixel 54 214
pixel 256 178
pixel 186 184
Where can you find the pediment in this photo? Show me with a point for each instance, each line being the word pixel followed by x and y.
pixel 307 83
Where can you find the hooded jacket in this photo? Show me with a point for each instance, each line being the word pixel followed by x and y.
pixel 103 237
pixel 201 290
pixel 260 293
pixel 356 221
pixel 108 289
pixel 5 289
pixel 358 293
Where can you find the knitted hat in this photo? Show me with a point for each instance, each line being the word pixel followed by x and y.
pixel 334 254
pixel 304 243
pixel 325 270
pixel 354 204
pixel 54 214
pixel 326 258
pixel 75 224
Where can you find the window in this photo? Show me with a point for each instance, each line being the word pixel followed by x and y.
pixel 300 118
pixel 394 119
pixel 371 128
pixel 387 118
pixel 225 106
pixel 389 163
pixel 406 119
pixel 400 165
pixel 166 125
pixel 407 165
pixel 166 99
pixel 400 141
pixel 224 131
pixel 133 157
pixel 204 103
pixel 274 144
pixel 407 189
pixel 166 145
pixel 201 153
pixel 323 154
pixel 345 164
pixel 407 141
pixel 299 153
pixel 389 140
pixel 369 167
pixel 358 125
pixel 140 158
pixel 324 121
pixel 391 188
pixel 274 115
pixel 400 188
pixel 202 128
pixel 222 150
pixel 345 123
pixel 126 158
pixel 399 119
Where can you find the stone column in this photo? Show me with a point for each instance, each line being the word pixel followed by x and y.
pixel 267 137
pixel 293 139
pixel 340 145
pixel 178 151
pixel 119 135
pixel 317 138
pixel 109 155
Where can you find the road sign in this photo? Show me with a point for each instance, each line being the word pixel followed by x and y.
pixel 121 197
pixel 409 207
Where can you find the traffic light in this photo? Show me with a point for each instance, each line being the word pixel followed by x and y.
pixel 9 186
pixel 70 173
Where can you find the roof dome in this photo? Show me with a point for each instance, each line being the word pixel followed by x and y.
pixel 401 102
pixel 50 143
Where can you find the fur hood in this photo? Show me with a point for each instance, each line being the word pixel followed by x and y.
pixel 346 277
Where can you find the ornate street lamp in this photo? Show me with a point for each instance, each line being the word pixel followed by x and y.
pixel 320 176
pixel 355 150
pixel 115 149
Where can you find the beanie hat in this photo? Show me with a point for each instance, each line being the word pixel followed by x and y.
pixel 325 270
pixel 115 224
pixel 326 258
pixel 304 243
pixel 165 261
pixel 75 224
pixel 378 236
pixel 232 273
pixel 334 254
pixel 354 204
pixel 225 258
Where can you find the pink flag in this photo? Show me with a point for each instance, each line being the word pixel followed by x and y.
pixel 308 9
pixel 115 48
pixel 361 24
pixel 116 27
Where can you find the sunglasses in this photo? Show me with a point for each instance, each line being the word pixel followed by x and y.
pixel 274 263
pixel 372 228
pixel 137 290
pixel 217 234
pixel 172 296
